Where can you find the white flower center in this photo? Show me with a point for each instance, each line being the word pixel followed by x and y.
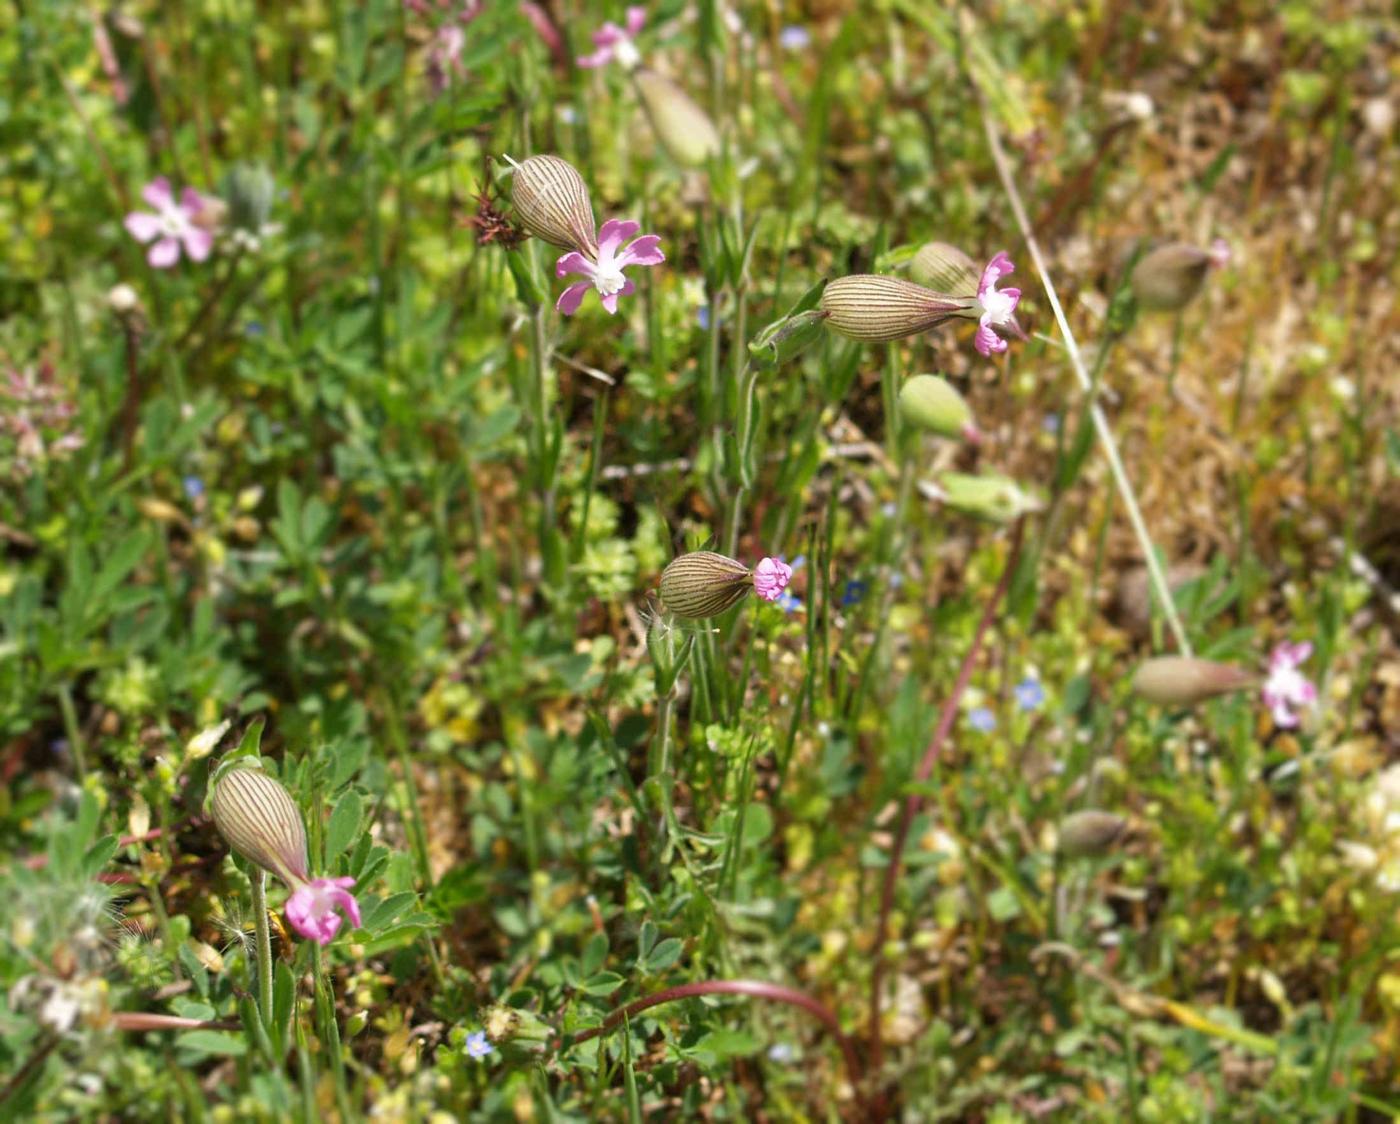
pixel 997 308
pixel 627 54
pixel 609 279
pixel 173 222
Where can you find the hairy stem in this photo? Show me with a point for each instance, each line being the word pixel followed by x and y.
pixel 263 937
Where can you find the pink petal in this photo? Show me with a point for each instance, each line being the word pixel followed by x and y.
pixel 157 193
pixel 609 35
pixel 636 18
pixel 610 302
pixel 142 225
pixel 614 233
pixel 770 578
pixel 192 201
pixel 572 297
pixel 164 253
pixel 598 58
pixel 198 243
pixel 996 269
pixel 574 262
pixel 645 250
pixel 987 341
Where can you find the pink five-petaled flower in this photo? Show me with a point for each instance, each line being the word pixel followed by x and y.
pixel 770 578
pixel 171 226
pixel 312 908
pixel 604 271
pixel 998 307
pixel 1286 688
pixel 615 42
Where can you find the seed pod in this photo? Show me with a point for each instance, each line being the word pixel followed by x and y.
pixel 867 306
pixel 996 499
pixel 944 268
pixel 257 817
pixel 552 202
pixel 703 584
pixel 933 404
pixel 682 127
pixel 1186 681
pixel 1167 278
pixel 1090 832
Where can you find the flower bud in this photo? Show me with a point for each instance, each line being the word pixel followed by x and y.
pixel 1090 832
pixel 933 404
pixel 703 584
pixel 258 818
pixel 249 189
pixel 122 299
pixel 1168 278
pixel 552 202
pixel 682 127
pixel 867 306
pixel 786 338
pixel 944 268
pixel 997 499
pixel 1185 681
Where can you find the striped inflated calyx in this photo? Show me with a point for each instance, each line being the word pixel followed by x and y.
pixel 260 821
pixel 552 202
pixel 877 309
pixel 703 584
pixel 944 268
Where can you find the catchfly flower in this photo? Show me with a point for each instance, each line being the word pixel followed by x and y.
pixel 171 226
pixel 615 43
pixel 998 307
pixel 603 269
pixel 259 819
pixel 1286 688
pixel 770 578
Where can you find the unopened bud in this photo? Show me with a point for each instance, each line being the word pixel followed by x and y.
pixel 933 404
pixel 249 189
pixel 1090 832
pixel 258 818
pixel 867 306
pixel 552 202
pixel 122 299
pixel 703 584
pixel 356 1023
pixel 682 127
pixel 1168 278
pixel 1185 680
pixel 211 214
pixel 944 268
pixel 997 499
pixel 784 339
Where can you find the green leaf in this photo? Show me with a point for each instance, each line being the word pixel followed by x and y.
pixel 664 955
pixel 344 824
pixel 602 983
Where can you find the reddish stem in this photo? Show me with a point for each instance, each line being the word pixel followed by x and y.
pixel 924 771
pixel 141 1020
pixel 38 862
pixel 758 989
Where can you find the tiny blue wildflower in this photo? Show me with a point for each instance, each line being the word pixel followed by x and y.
pixel 980 718
pixel 854 591
pixel 254 328
pixel 795 37
pixel 1029 693
pixel 1050 423
pixel 194 487
pixel 477 1047
pixel 782 1053
pixel 702 316
pixel 788 603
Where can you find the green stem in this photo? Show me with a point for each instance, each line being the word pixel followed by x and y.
pixel 263 939
pixel 74 732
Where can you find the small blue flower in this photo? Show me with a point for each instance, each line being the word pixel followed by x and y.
pixel 254 328
pixel 1029 693
pixel 477 1047
pixel 1050 423
pixel 788 603
pixel 854 591
pixel 702 315
pixel 194 487
pixel 795 37
pixel 782 1053
pixel 980 718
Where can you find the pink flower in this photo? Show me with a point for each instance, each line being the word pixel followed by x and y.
pixel 171 226
pixel 312 908
pixel 1220 253
pixel 616 43
pixel 998 307
pixel 770 578
pixel 604 270
pixel 1285 688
